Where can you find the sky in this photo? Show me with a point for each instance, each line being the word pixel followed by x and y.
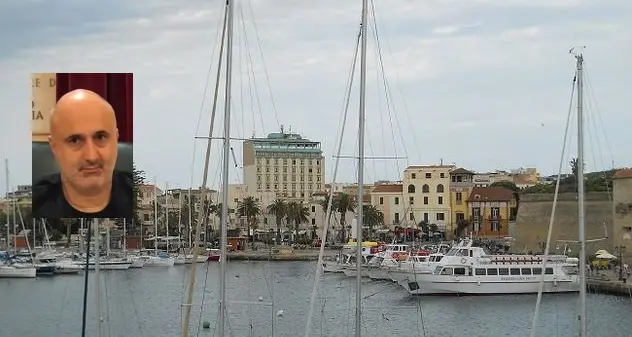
pixel 484 84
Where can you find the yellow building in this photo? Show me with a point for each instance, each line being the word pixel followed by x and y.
pixel 426 194
pixel 388 198
pixel 461 185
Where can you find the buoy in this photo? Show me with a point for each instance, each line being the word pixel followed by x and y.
pixel 260 298
pixel 206 325
pixel 280 313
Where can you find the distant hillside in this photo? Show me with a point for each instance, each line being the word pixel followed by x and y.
pixel 594 182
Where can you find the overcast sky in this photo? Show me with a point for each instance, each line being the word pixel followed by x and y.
pixel 481 83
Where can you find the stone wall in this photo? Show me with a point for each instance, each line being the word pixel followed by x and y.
pixel 534 215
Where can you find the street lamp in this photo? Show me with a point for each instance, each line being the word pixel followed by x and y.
pixel 620 249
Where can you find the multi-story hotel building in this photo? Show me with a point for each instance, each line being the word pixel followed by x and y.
pixel 461 185
pixel 426 191
pixel 284 163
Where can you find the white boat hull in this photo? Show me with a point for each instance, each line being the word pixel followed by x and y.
pixel 17 272
pixel 200 259
pixel 160 262
pixel 433 285
pixel 179 260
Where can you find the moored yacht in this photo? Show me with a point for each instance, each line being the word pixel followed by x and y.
pixel 414 266
pixel 467 269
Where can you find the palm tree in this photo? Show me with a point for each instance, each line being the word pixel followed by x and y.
pixel 249 208
pixel 297 213
pixel 344 204
pixel 278 208
pixel 372 217
pixel 334 207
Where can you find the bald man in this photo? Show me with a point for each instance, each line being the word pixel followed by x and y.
pixel 84 141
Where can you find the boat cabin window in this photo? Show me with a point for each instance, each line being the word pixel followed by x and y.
pixel 479 271
pixel 537 271
pixel 503 271
pixel 459 271
pixel 526 271
pixel 471 253
pixel 461 252
pixel 446 271
pixel 548 271
pixel 492 271
pixel 437 270
pixel 514 271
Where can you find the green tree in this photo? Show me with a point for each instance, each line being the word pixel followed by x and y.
pixel 278 208
pixel 139 179
pixel 297 213
pixel 372 217
pixel 344 204
pixel 249 208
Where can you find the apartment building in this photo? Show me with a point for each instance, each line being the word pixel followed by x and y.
pixel 426 194
pixel 389 198
pixel 489 210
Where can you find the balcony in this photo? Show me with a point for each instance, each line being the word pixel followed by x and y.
pixel 465 184
pixel 476 218
pixel 495 217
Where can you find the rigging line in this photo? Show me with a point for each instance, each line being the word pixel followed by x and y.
pixel 331 190
pixel 85 281
pixel 549 234
pixel 241 77
pixel 265 69
pixel 389 103
pixel 252 70
pixel 379 112
pixel 401 92
pixel 591 95
pixel 203 297
pixel 199 121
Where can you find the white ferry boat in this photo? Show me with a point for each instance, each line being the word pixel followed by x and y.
pixel 467 269
pixel 414 266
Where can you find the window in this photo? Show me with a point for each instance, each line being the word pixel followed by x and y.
pixel 413 176
pixel 440 188
pixel 526 271
pixel 459 271
pixel 476 226
pixel 442 175
pixel 480 271
pixel 313 209
pixel 396 218
pixel 426 217
pixel 548 271
pixel 440 216
pixel 459 197
pixel 313 221
pixel 537 271
pixel 440 200
pixel 446 271
pixel 514 271
pixel 411 200
pixel 492 271
pixel 495 226
pixel 411 188
pixel 428 175
pixel 503 271
pixel 425 200
pixel 411 216
pixel 381 200
pixel 396 200
pixel 425 188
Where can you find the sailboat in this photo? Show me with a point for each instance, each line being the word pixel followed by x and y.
pixel 581 217
pixel 9 269
pixel 227 36
pixel 162 259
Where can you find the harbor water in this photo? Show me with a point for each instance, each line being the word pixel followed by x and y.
pixel 272 299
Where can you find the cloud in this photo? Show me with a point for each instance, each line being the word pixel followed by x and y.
pixel 480 74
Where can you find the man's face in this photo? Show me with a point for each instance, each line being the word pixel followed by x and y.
pixel 84 142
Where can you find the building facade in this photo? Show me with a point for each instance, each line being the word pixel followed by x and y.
pixel 284 163
pixel 388 198
pixel 461 185
pixel 489 210
pixel 427 195
pixel 622 207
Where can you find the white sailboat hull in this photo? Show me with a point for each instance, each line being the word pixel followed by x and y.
pixel 17 272
pixel 200 259
pixel 160 262
pixel 438 285
pixel 179 260
pixel 137 263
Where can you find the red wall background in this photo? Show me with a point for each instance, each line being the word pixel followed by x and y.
pixel 116 88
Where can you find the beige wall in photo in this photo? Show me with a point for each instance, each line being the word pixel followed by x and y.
pixel 43 97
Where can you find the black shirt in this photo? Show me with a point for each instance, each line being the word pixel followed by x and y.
pixel 49 200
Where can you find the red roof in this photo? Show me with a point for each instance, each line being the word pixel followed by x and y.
pixel 490 194
pixel 623 174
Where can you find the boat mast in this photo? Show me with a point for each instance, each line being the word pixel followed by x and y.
pixel 202 215
pixel 580 192
pixel 361 122
pixel 155 218
pixel 226 166
pixel 167 213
